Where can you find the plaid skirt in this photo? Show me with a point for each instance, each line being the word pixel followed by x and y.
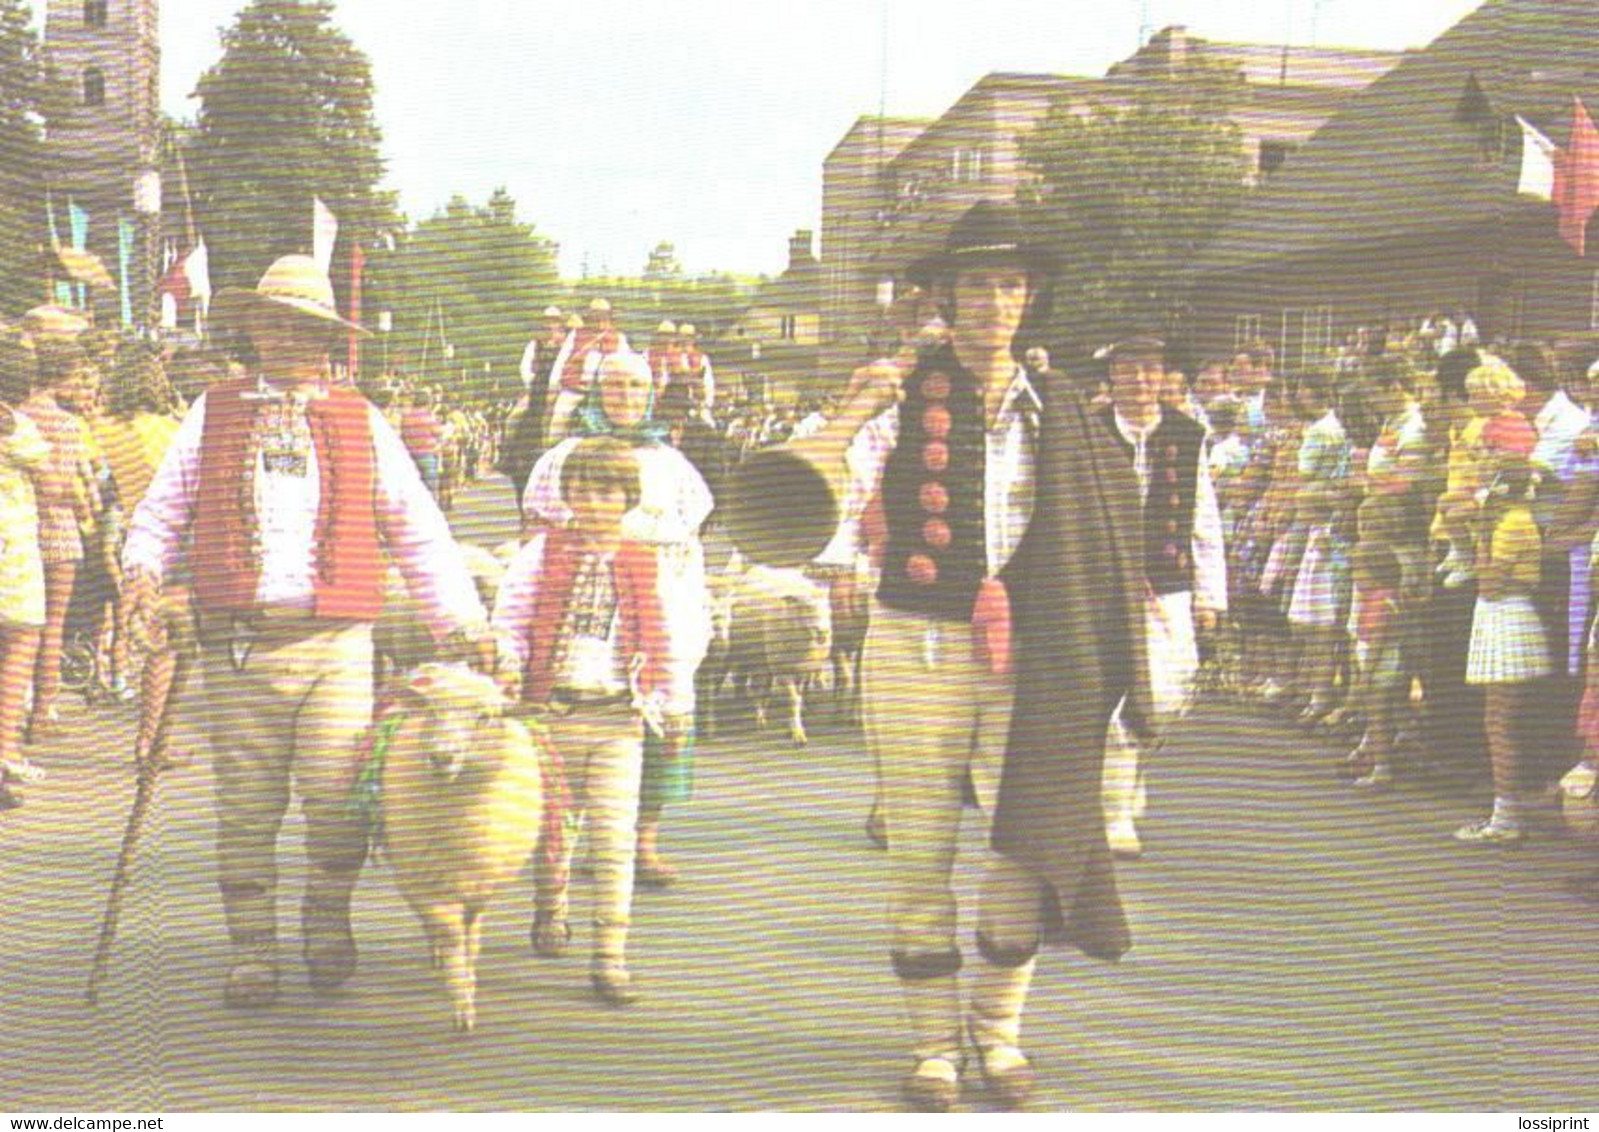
pixel 1508 642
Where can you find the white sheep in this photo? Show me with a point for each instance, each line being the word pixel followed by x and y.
pixel 462 805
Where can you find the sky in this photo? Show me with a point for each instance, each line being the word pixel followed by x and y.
pixel 616 124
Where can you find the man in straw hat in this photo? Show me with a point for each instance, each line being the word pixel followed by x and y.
pixel 579 360
pixel 289 492
pixel 1007 628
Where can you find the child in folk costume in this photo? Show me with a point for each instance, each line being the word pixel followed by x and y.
pixel 1509 645
pixel 674 503
pixel 580 619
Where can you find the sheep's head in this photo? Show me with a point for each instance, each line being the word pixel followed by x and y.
pixel 454 707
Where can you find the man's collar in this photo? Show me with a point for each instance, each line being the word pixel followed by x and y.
pixel 1021 390
pixel 1131 432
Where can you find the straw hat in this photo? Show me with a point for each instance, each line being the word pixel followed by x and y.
pixel 667 327
pixel 687 330
pixel 599 306
pixel 552 312
pixel 293 283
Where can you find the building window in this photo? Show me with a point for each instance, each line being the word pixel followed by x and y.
pixel 1318 334
pixel 1246 330
pixel 1272 156
pixel 93 87
pixel 94 13
pixel 788 326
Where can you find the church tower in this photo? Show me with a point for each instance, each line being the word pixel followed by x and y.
pixel 103 151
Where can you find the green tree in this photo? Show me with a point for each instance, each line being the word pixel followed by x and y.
pixel 28 96
pixel 285 116
pixel 476 278
pixel 1126 192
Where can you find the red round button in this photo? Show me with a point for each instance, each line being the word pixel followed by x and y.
pixel 934 497
pixel 935 387
pixel 936 533
pixel 936 422
pixel 921 569
pixel 935 455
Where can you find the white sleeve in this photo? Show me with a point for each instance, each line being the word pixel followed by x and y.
pixel 513 604
pixel 686 504
pixel 542 496
pixel 419 539
pixel 163 517
pixel 1209 548
pixel 529 365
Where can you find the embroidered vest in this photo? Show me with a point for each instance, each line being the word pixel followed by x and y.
pixel 349 569
pixel 642 628
pixel 936 552
pixel 1173 451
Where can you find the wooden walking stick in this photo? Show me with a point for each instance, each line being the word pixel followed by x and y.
pixel 166 671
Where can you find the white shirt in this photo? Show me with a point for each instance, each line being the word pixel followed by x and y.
pixel 1207 548
pixel 414 530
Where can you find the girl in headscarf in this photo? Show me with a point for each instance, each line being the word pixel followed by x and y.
pixel 674 505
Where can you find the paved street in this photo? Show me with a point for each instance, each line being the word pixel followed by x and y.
pixel 1298 947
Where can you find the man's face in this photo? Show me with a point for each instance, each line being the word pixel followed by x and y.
pixel 1211 381
pixel 989 304
pixel 284 339
pixel 1136 384
pixel 1246 378
pixel 1037 360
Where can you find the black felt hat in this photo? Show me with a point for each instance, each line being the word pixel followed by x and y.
pixel 991 230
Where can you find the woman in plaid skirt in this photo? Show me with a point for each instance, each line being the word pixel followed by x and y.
pixel 1509 649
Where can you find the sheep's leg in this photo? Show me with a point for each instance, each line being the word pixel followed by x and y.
pixel 473 923
pixel 457 978
pixel 434 924
pixel 759 690
pixel 796 711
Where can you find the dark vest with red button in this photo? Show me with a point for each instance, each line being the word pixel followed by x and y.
pixel 1173 451
pixel 932 495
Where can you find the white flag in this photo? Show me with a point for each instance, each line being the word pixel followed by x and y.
pixel 324 231
pixel 1537 162
pixel 197 267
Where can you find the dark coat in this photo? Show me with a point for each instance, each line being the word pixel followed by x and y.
pixel 1079 641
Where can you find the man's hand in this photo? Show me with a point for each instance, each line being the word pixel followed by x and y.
pixel 141 597
pixel 1205 620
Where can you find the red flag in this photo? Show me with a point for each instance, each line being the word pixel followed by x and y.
pixel 1577 178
